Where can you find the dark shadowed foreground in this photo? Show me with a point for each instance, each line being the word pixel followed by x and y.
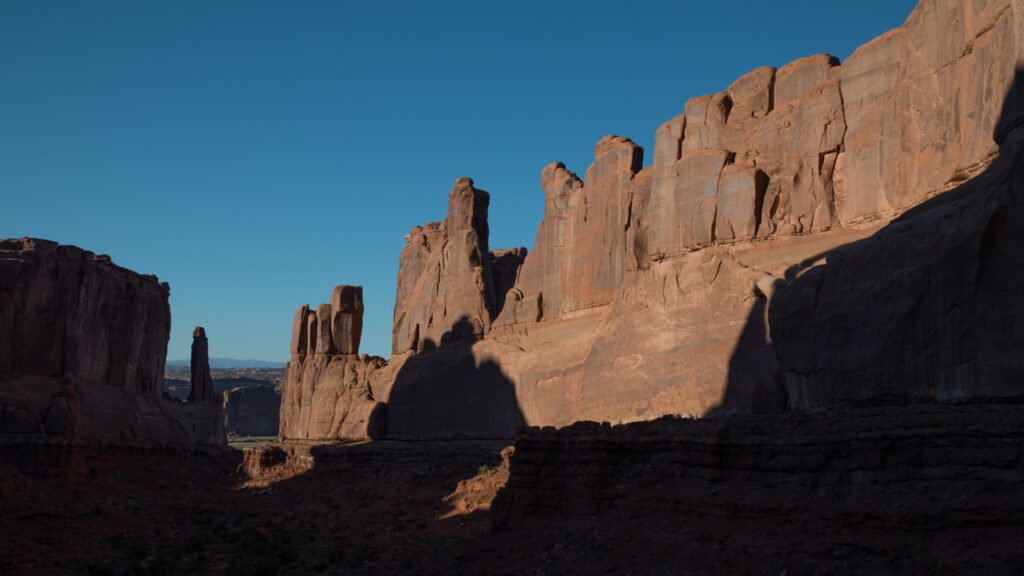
pixel 912 490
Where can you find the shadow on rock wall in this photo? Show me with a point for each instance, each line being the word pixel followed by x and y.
pixel 926 309
pixel 447 392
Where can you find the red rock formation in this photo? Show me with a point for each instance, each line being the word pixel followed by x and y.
pixel 805 159
pixel 252 411
pixel 444 276
pixel 579 256
pixel 824 481
pixel 699 283
pixel 920 311
pixel 327 392
pixel 201 389
pixel 82 349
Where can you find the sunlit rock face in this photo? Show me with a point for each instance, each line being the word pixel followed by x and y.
pixel 83 344
pixel 444 276
pixel 326 393
pixel 819 234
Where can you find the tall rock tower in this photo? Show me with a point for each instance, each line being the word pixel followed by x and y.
pixel 202 383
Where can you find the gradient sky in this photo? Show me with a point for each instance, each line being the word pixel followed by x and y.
pixel 255 154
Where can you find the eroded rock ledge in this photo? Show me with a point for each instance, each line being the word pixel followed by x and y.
pixel 762 465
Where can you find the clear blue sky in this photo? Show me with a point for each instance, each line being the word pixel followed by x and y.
pixel 255 154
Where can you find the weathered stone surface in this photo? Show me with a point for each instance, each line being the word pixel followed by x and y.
pixel 579 256
pixel 324 336
pixel 459 390
pixel 330 397
pixel 59 316
pixel 739 198
pixel 312 334
pixel 83 344
pixel 252 411
pixel 327 392
pixel 750 99
pixel 444 275
pixel 201 389
pixel 300 332
pixel 686 204
pixel 505 265
pixel 715 280
pixel 921 310
pixel 668 142
pixel 922 103
pixel 799 77
pixel 841 474
pixel 346 318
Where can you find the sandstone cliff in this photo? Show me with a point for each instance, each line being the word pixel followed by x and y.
pixel 252 411
pixel 82 349
pixel 821 234
pixel 201 389
pixel 326 393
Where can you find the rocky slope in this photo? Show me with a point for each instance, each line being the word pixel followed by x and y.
pixel 822 234
pixel 82 349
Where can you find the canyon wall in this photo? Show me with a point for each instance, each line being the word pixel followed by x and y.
pixel 83 344
pixel 252 411
pixel 821 234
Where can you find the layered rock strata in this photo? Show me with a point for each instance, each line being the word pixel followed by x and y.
pixel 83 344
pixel 876 490
pixel 816 235
pixel 667 466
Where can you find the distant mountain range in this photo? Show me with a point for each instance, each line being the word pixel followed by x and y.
pixel 231 363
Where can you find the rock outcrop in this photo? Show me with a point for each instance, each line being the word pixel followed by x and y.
pixel 816 235
pixel 923 310
pixel 578 259
pixel 83 344
pixel 327 392
pixel 252 411
pixel 202 383
pixel 589 468
pixel 749 188
pixel 444 276
pixel 871 490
